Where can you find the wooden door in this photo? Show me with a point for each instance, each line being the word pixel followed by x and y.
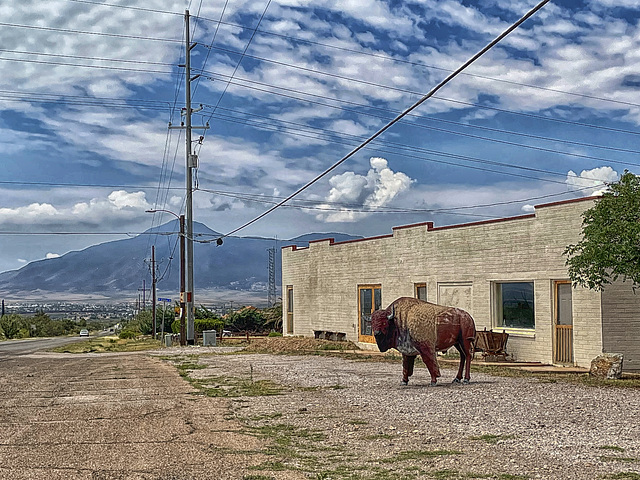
pixel 369 300
pixel 289 309
pixel 563 324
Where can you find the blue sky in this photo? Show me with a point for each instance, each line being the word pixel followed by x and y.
pixel 88 89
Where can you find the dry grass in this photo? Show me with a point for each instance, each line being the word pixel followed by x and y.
pixel 109 344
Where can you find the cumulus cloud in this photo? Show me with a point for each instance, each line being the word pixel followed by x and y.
pixel 375 189
pixel 118 206
pixel 591 182
pixel 52 255
pixel 528 208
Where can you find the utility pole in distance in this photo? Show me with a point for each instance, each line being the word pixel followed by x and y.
pixel 183 309
pixel 153 289
pixel 191 163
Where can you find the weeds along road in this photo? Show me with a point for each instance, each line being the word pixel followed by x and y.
pixel 199 413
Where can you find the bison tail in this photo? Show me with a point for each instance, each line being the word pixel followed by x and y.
pixel 472 346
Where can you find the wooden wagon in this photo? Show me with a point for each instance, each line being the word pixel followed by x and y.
pixel 491 344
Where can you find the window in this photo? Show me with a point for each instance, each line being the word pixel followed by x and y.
pixel 421 291
pixel 369 300
pixel 514 305
pixel 289 309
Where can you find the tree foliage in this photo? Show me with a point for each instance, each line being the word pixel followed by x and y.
pixel 273 317
pixel 141 324
pixel 39 325
pixel 610 247
pixel 248 319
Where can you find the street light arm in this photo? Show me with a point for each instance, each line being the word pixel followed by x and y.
pixel 162 210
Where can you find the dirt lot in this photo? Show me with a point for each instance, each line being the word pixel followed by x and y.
pixel 180 414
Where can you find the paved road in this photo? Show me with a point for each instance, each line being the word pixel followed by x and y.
pixel 112 417
pixel 32 345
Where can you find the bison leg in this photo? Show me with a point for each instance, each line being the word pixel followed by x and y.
pixel 429 358
pixel 463 357
pixel 407 367
pixel 465 348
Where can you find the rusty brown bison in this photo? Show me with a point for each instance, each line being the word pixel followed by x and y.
pixel 414 327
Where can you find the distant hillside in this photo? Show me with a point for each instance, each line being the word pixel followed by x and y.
pixel 241 263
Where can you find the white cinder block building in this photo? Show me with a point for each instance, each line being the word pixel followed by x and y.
pixel 510 274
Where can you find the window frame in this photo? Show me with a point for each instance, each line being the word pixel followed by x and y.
pixel 497 308
pixel 416 287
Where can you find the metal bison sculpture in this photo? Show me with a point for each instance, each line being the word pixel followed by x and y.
pixel 414 327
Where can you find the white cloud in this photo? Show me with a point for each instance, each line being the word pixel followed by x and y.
pixel 528 208
pixel 117 207
pixel 377 189
pixel 22 260
pixel 591 182
pixel 52 255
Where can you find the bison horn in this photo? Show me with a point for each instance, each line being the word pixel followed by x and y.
pixel 392 314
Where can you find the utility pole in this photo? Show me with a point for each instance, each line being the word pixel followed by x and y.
pixel 271 289
pixel 183 337
pixel 183 340
pixel 153 289
pixel 144 298
pixel 191 163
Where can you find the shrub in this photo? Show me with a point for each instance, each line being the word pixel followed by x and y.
pixel 201 324
pixel 275 334
pixel 128 334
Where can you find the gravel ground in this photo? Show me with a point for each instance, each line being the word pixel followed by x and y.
pixel 132 417
pixel 352 419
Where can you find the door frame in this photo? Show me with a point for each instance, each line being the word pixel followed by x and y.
pixel 373 287
pixel 289 310
pixel 563 348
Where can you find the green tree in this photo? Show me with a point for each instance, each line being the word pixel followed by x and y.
pixel 13 325
pixel 142 323
pixel 610 245
pixel 273 317
pixel 248 319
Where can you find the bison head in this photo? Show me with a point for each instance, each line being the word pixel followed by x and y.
pixel 383 325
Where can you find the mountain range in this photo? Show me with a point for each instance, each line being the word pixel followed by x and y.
pixel 112 268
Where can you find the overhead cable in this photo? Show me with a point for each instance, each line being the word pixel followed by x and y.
pixel 395 120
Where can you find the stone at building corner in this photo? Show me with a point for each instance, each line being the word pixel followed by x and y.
pixel 607 366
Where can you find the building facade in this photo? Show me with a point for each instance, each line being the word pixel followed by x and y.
pixel 510 274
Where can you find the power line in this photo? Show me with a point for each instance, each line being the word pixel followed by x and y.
pixel 84 32
pixel 86 233
pixel 395 120
pixel 403 90
pixel 98 185
pixel 85 57
pixel 340 206
pixel 10 96
pixel 404 148
pixel 437 97
pixel 241 58
pixel 128 7
pixel 215 34
pixel 255 30
pixel 413 63
pixel 100 67
pixel 430 118
pixel 333 132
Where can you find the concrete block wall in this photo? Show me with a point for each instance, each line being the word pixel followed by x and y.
pixel 621 323
pixel 470 257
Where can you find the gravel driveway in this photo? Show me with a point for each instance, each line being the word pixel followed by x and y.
pixel 350 419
